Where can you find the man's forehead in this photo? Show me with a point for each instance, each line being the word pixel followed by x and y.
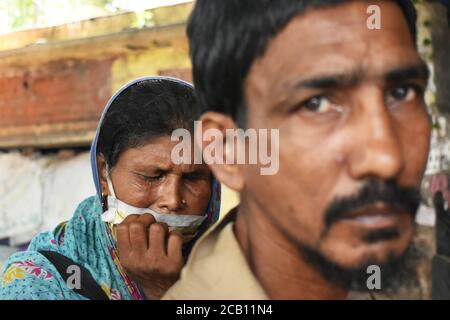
pixel 336 39
pixel 347 19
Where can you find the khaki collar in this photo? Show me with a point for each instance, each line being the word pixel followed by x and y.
pixel 217 268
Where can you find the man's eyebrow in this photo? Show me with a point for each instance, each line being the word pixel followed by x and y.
pixel 329 81
pixel 418 71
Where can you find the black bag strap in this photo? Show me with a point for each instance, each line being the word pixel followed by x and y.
pixel 89 287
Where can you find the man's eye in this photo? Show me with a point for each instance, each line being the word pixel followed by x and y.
pixel 401 94
pixel 318 104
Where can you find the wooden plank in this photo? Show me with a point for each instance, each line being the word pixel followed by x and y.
pixel 71 134
pixel 116 44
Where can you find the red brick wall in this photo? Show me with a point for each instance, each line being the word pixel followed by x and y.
pixel 59 92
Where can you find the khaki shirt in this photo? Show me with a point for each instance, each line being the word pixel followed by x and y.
pixel 217 269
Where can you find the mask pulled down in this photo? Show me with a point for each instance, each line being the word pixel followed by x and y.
pixel 118 210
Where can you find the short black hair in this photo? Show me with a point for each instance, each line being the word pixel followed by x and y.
pixel 147 109
pixel 227 36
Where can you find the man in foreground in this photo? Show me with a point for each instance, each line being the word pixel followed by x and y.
pixel 348 101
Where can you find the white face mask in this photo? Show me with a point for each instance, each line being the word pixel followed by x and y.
pixel 119 210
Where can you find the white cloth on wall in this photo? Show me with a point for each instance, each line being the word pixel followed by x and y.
pixel 65 184
pixel 37 193
pixel 20 194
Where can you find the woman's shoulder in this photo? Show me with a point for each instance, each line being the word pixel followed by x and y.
pixel 90 209
pixel 60 238
pixel 28 275
pixel 91 204
pixel 87 214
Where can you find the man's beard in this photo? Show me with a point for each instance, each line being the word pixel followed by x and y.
pixel 396 271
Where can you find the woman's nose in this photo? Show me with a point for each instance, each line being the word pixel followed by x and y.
pixel 170 195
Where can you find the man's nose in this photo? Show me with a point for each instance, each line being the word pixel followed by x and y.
pixel 378 151
pixel 169 195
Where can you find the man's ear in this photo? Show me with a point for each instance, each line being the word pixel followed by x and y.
pixel 102 172
pixel 228 172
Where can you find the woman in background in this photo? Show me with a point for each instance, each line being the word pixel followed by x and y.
pixel 131 240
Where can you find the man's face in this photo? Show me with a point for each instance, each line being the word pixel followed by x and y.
pixel 354 131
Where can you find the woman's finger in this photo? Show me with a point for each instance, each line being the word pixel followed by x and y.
pixel 123 239
pixel 146 219
pixel 174 246
pixel 157 239
pixel 138 236
pixel 130 218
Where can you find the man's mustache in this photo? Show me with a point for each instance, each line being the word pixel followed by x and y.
pixel 374 191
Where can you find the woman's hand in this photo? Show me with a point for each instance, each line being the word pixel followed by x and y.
pixel 150 255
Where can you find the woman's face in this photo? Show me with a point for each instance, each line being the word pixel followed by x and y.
pixel 145 177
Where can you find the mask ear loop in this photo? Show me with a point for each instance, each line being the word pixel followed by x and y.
pixel 109 182
pixel 110 186
pixel 110 189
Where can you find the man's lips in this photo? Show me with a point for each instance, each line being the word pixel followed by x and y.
pixel 375 216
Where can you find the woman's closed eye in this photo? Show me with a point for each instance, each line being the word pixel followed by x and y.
pixel 153 178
